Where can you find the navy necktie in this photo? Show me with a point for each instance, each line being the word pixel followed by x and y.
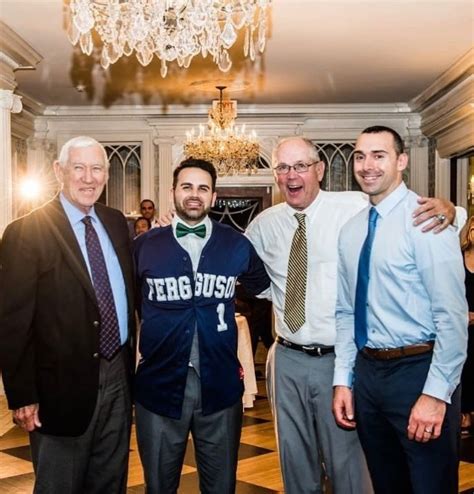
pixel 360 312
pixel 109 336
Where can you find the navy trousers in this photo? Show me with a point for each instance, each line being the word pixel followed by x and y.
pixel 384 393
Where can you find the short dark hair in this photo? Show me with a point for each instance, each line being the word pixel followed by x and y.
pixel 204 165
pixel 146 200
pixel 140 218
pixel 378 129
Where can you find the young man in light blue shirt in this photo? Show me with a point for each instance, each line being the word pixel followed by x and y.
pixel 401 320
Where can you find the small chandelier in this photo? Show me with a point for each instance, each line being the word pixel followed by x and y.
pixel 170 29
pixel 227 146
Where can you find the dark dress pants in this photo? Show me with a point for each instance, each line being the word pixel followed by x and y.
pixel 385 392
pixel 467 377
pixel 97 461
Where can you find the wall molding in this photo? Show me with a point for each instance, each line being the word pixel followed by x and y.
pixel 447 108
pixel 15 54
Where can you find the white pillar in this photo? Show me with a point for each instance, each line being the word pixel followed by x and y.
pixel 165 172
pixel 443 178
pixel 418 151
pixel 462 182
pixel 36 155
pixel 9 103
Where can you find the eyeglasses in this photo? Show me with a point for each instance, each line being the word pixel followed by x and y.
pixel 284 169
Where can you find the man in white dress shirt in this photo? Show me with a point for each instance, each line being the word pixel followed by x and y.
pixel 300 364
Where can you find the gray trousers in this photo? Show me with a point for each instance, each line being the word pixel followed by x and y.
pixel 162 444
pixel 300 392
pixel 97 461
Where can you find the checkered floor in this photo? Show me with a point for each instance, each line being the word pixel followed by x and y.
pixel 258 471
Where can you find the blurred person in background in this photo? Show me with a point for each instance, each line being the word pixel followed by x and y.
pixel 467 377
pixel 148 211
pixel 141 225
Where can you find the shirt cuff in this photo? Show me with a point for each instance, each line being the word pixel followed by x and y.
pixel 266 294
pixel 460 218
pixel 343 377
pixel 438 388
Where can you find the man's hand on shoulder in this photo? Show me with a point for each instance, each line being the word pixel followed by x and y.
pixel 343 407
pixel 165 219
pixel 426 418
pixel 27 417
pixel 434 209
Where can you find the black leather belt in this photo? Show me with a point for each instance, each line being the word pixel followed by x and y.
pixel 313 350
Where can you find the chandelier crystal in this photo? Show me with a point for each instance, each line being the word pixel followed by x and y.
pixel 173 30
pixel 228 147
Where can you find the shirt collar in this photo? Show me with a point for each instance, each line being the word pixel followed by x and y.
pixel 386 205
pixel 310 208
pixel 73 213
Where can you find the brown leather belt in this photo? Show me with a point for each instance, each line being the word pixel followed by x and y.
pixel 403 351
pixel 313 350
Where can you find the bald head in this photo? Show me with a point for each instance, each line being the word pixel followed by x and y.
pixel 299 188
pixel 313 154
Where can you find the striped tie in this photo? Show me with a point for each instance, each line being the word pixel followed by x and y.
pixel 295 297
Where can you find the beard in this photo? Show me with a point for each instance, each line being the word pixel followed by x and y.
pixel 192 214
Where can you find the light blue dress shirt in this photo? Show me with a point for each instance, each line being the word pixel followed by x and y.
pixel 117 282
pixel 416 292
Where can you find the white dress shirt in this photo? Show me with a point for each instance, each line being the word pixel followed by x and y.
pixel 193 245
pixel 416 292
pixel 271 233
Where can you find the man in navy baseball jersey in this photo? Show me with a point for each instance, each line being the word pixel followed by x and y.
pixel 189 378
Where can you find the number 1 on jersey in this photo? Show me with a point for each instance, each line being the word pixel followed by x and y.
pixel 222 326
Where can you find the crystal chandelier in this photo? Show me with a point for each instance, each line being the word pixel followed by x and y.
pixel 170 29
pixel 225 145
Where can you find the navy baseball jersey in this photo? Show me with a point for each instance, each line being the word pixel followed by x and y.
pixel 174 302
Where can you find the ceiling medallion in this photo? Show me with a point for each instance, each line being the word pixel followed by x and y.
pixel 173 30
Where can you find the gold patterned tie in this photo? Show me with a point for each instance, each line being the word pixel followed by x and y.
pixel 295 296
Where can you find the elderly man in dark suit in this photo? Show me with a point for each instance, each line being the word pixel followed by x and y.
pixel 66 327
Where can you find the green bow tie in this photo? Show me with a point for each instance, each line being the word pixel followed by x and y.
pixel 182 230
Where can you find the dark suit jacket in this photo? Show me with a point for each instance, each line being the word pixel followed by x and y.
pixel 49 318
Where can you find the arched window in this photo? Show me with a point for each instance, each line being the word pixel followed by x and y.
pixel 123 188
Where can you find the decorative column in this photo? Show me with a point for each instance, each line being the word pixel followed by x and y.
pixel 443 178
pixel 9 103
pixel 36 155
pixel 41 154
pixel 418 164
pixel 463 182
pixel 165 171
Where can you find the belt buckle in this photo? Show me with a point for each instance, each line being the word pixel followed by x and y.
pixel 313 350
pixel 284 342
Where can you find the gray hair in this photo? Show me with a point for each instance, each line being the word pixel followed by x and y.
pixel 313 152
pixel 80 142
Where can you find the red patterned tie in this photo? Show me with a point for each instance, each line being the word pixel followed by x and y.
pixel 109 329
